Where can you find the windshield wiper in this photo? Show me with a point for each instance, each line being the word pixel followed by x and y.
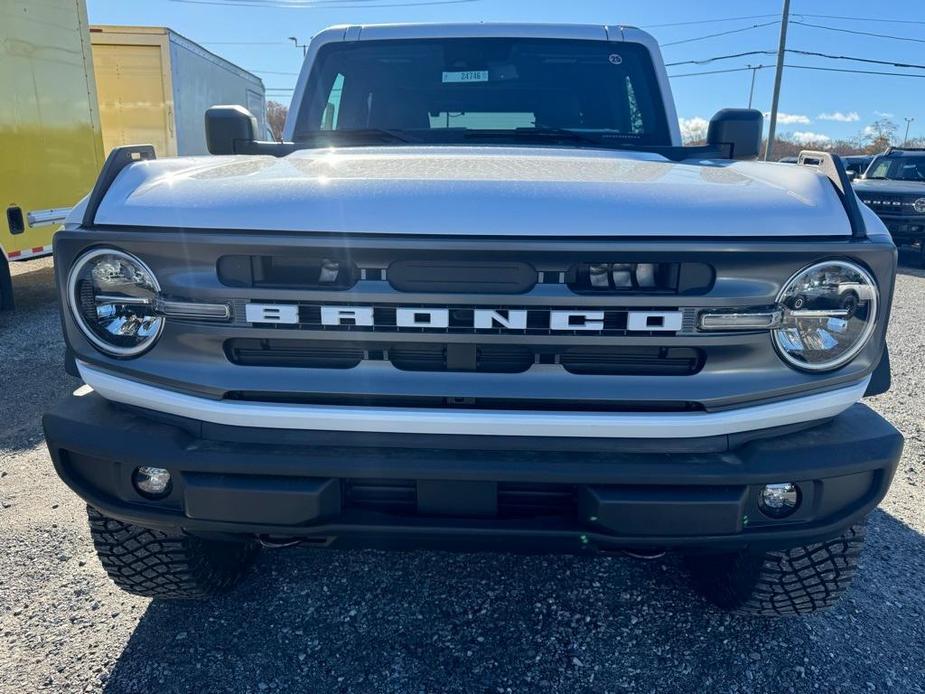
pixel 535 134
pixel 363 134
pixel 562 134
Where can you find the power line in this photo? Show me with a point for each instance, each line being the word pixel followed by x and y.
pixel 722 33
pixel 704 61
pixel 708 21
pixel 817 54
pixel 857 60
pixel 859 33
pixel 244 43
pixel 718 72
pixel 862 19
pixel 801 67
pixel 857 72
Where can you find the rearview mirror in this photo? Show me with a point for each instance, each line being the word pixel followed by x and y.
pixel 740 129
pixel 229 129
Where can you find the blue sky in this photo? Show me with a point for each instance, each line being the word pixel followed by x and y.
pixel 830 104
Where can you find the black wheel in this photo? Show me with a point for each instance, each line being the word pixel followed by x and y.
pixel 6 285
pixel 850 303
pixel 782 583
pixel 159 564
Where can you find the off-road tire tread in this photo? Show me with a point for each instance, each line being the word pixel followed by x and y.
pixel 170 565
pixel 790 582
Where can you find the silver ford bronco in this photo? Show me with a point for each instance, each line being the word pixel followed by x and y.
pixel 481 297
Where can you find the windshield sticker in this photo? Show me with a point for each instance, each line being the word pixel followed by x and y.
pixel 466 76
pixel 615 59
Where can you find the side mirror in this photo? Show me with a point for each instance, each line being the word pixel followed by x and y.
pixel 739 128
pixel 228 128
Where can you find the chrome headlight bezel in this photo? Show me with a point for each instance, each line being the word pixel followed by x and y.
pixel 100 344
pixel 862 340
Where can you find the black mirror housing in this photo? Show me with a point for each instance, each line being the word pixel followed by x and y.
pixel 229 129
pixel 740 129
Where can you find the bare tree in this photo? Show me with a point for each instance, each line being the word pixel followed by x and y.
pixel 276 118
pixel 879 135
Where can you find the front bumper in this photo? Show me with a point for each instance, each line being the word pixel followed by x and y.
pixel 905 229
pixel 331 488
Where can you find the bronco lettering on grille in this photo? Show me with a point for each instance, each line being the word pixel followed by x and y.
pixel 477 319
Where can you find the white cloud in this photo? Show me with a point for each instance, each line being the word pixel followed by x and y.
pixel 790 118
pixel 805 137
pixel 693 128
pixel 883 114
pixel 840 117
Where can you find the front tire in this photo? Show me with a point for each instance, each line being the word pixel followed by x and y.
pixel 781 583
pixel 171 565
pixel 6 285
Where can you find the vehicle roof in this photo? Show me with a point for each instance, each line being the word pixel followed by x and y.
pixel 370 32
pixel 904 151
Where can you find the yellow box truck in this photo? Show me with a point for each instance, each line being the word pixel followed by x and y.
pixel 50 139
pixel 155 85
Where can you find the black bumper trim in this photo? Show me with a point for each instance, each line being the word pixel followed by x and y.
pixel 843 467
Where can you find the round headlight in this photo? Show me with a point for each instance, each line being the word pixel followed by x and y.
pixel 829 314
pixel 113 297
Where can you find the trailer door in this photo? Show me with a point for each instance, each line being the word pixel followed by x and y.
pixel 135 103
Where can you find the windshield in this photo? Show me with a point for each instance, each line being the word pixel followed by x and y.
pixel 902 168
pixel 504 91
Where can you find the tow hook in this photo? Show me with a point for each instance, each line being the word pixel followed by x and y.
pixel 646 555
pixel 269 542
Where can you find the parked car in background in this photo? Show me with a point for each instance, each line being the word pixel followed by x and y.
pixel 894 188
pixel 856 164
pixel 50 139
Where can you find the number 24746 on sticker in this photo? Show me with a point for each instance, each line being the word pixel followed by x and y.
pixel 466 76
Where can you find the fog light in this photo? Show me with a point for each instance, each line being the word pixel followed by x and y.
pixel 779 500
pixel 153 482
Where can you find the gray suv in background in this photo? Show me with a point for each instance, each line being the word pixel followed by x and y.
pixel 894 188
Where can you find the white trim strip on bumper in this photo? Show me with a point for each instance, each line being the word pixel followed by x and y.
pixel 630 425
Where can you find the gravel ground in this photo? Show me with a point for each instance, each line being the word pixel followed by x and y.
pixel 424 621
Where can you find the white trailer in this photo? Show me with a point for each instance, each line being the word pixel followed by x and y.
pixel 155 85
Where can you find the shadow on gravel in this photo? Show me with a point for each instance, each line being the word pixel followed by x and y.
pixel 32 374
pixel 428 621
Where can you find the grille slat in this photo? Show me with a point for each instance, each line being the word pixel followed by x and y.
pixel 515 500
pixel 437 357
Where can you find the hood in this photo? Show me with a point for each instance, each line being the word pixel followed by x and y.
pixel 889 186
pixel 471 191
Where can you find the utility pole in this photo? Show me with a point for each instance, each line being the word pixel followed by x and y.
pixel 781 52
pixel 906 137
pixel 751 91
pixel 303 46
